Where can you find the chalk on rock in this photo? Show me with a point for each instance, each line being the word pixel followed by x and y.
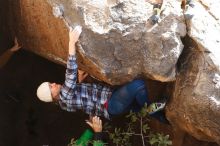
pixel 58 11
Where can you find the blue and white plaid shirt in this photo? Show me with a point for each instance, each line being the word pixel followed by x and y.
pixel 88 97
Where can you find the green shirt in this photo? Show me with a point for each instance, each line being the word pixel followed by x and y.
pixel 87 137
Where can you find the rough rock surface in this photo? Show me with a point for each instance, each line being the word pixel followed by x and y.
pixel 118 42
pixel 39 31
pixel 195 106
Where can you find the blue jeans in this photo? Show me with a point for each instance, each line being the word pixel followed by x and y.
pixel 131 96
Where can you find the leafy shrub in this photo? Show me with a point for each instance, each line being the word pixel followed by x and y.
pixel 137 127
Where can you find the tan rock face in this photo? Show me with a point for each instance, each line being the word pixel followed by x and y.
pixel 38 29
pixel 195 107
pixel 118 42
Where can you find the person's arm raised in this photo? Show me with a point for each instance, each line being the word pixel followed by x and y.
pixel 16 46
pixel 66 94
pixel 95 123
pixel 5 57
pixel 73 38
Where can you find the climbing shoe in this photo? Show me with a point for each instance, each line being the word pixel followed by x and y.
pixel 155 107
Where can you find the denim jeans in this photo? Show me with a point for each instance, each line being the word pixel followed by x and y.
pixel 131 96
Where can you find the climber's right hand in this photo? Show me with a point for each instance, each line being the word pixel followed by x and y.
pixel 73 38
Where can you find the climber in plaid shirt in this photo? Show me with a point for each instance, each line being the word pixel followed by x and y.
pixel 86 96
pixel 92 98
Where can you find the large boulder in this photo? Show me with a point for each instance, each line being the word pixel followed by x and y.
pixel 118 42
pixel 195 106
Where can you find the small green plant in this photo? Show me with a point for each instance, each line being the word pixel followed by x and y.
pixel 72 142
pixel 138 126
pixel 159 139
pixel 92 142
